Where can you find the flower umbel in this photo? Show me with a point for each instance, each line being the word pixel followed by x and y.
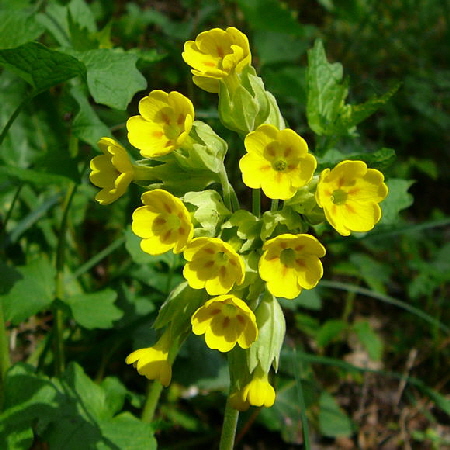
pixel 215 55
pixel 291 263
pixel 163 223
pixel 112 171
pixel 258 392
pixel 225 321
pixel 350 195
pixel 163 124
pixel 213 264
pixel 152 362
pixel 277 161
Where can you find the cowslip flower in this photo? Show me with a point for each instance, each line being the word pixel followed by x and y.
pixel 152 362
pixel 163 124
pixel 350 194
pixel 291 263
pixel 225 321
pixel 215 55
pixel 277 161
pixel 213 264
pixel 112 171
pixel 258 392
pixel 163 223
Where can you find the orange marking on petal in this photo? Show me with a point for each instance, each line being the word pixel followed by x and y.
pixel 240 319
pixel 300 262
pixel 287 151
pixel 353 191
pixel 226 322
pixel 209 64
pixel 209 250
pixel 299 248
pixel 167 208
pixel 166 236
pixel 264 168
pixel 214 312
pixel 350 209
pixel 223 271
pixel 181 119
pixel 165 118
pixel 209 263
pixel 220 52
pixel 158 134
pixel 181 231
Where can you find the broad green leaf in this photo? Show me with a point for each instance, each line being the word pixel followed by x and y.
pixel 86 124
pixel 374 273
pixel 32 293
pixel 398 199
pixel 28 399
pixel 308 299
pixel 330 330
pixel 10 275
pixel 281 19
pixel 18 27
pixel 112 76
pixel 41 67
pixel 326 91
pixel 94 310
pixel 333 422
pixel 369 339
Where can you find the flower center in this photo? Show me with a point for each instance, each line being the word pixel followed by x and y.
pixel 229 310
pixel 222 258
pixel 339 197
pixel 173 222
pixel 287 257
pixel 279 165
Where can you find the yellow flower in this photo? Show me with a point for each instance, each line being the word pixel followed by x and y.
pixel 112 171
pixel 349 195
pixel 277 161
pixel 291 263
pixel 152 362
pixel 215 55
pixel 163 223
pixel 213 265
pixel 259 392
pixel 225 321
pixel 164 123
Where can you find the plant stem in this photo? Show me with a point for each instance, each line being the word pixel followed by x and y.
pixel 256 205
pixel 154 390
pixel 4 355
pixel 229 427
pixel 274 205
pixel 58 314
pixel 13 118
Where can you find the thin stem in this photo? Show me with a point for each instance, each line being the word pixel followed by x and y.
pixel 154 390
pixel 58 314
pixel 13 118
pixel 4 355
pixel 256 205
pixel 302 404
pixel 229 427
pixel 274 205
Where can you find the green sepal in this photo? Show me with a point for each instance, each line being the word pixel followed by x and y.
pixel 304 203
pixel 247 228
pixel 209 212
pixel 280 222
pixel 240 374
pixel 265 351
pixel 177 310
pixel 244 104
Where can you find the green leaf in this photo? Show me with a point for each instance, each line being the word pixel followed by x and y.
pixel 18 27
pixel 308 299
pixel 398 199
pixel 326 91
pixel 94 310
pixel 29 398
pixel 333 422
pixel 86 124
pixel 281 18
pixel 374 273
pixel 32 293
pixel 330 330
pixel 41 67
pixel 112 76
pixel 369 339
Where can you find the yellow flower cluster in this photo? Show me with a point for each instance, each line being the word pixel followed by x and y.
pixel 238 258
